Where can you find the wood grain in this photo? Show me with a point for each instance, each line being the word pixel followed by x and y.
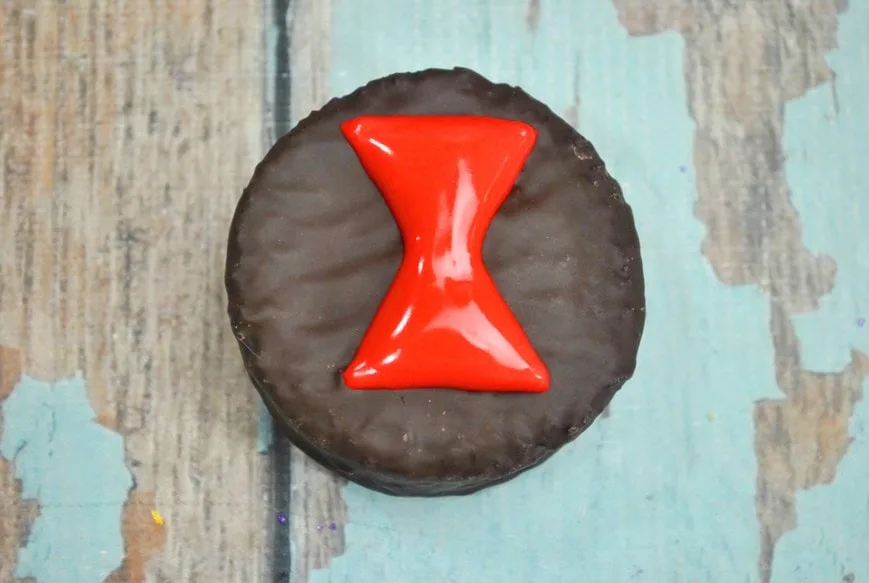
pixel 143 538
pixel 743 63
pixel 127 130
pixel 15 515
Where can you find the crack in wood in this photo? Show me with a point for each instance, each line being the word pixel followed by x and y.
pixel 278 121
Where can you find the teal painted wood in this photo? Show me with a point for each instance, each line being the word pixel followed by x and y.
pixel 825 136
pixel 825 142
pixel 74 469
pixel 663 489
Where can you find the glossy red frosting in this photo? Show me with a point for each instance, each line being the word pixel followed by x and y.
pixel 442 322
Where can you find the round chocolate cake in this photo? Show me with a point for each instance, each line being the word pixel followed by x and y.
pixel 320 248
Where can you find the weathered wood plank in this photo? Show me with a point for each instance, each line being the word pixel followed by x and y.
pixel 15 516
pixel 743 64
pixel 127 130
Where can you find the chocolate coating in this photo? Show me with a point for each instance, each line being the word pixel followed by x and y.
pixel 313 248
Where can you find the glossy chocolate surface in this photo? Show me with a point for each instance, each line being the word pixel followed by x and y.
pixel 313 249
pixel 442 322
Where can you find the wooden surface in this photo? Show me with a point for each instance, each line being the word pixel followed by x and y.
pixel 128 130
pixel 740 451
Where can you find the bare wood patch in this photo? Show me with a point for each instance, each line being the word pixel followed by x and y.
pixel 743 62
pixel 15 516
pixel 801 438
pixel 143 538
pixel 127 131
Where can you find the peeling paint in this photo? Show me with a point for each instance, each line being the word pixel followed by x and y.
pixel 15 515
pixel 142 538
pixel 74 468
pixel 10 370
pixel 106 269
pixel 739 76
pixel 801 438
pixel 647 17
pixel 824 135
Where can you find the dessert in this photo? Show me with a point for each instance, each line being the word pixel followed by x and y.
pixel 434 283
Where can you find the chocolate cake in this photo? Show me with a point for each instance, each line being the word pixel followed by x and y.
pixel 386 346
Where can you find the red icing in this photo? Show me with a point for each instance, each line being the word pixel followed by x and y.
pixel 443 322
